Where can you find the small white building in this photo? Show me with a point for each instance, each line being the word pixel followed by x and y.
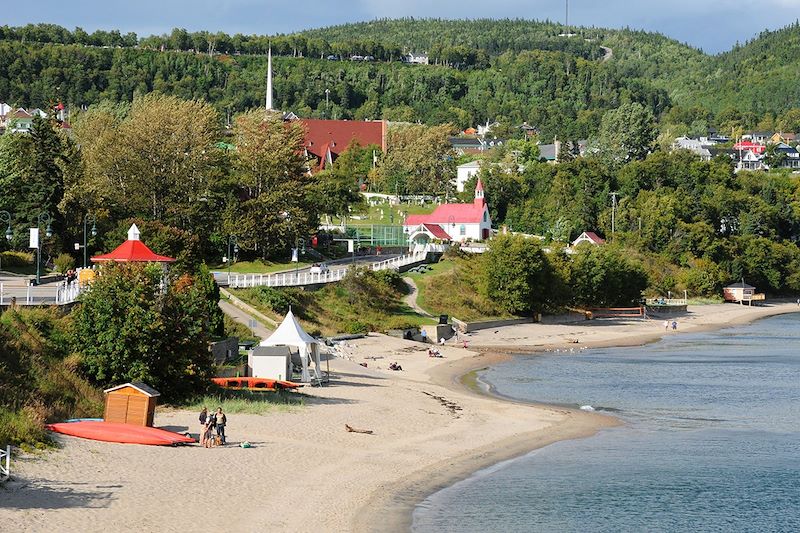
pixel 465 172
pixel 452 222
pixel 588 237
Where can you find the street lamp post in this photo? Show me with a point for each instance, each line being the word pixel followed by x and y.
pixel 93 219
pixel 5 217
pixel 43 218
pixel 234 248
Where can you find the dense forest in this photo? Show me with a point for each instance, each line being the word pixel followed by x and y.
pixel 509 71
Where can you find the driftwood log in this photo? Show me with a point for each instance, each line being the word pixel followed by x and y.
pixel 351 429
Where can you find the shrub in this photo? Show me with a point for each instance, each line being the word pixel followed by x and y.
pixel 64 262
pixel 16 259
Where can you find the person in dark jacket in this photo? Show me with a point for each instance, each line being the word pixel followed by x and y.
pixel 203 418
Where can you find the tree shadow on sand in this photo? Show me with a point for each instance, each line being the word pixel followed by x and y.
pixel 43 494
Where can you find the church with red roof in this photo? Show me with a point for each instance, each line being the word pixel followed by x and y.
pixel 452 222
pixel 326 139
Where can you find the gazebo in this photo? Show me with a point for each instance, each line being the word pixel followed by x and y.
pixel 132 251
pixel 290 333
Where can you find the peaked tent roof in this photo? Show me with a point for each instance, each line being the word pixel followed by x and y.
pixel 132 251
pixel 290 332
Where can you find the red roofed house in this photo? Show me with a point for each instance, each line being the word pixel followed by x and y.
pixel 590 237
pixel 132 251
pixel 744 146
pixel 326 139
pixel 452 222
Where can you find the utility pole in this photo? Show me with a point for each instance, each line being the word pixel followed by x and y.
pixel 613 196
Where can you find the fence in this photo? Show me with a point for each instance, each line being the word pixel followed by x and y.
pixel 5 464
pixel 299 279
pixel 618 312
pixel 58 294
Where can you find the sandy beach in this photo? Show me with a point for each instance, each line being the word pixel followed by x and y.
pixel 305 472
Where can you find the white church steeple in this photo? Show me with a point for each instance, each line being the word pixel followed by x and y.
pixel 269 79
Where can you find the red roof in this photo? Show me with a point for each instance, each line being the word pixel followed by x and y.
pixel 335 135
pixel 132 251
pixel 594 237
pixel 746 145
pixel 437 231
pixel 450 214
pixel 479 185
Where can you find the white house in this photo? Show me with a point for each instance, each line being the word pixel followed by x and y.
pixel 465 172
pixel 417 59
pixel 452 222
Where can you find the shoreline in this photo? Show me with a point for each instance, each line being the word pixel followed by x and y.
pixel 394 509
pixel 431 426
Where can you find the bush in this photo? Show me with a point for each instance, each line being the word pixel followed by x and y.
pixel 64 262
pixel 16 259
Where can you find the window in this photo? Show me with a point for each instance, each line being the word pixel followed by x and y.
pixel 485 216
pixel 463 229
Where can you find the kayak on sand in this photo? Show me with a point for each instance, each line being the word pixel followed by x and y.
pixel 124 433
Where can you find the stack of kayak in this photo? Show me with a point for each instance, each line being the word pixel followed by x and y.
pixel 256 383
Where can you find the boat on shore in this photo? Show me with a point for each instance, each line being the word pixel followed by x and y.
pixel 251 383
pixel 122 433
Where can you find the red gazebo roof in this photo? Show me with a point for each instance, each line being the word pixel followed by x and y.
pixel 132 251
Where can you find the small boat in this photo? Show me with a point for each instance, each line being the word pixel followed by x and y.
pixel 124 433
pixel 256 383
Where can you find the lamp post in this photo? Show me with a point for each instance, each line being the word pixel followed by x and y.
pixel 234 248
pixel 43 218
pixel 93 219
pixel 5 216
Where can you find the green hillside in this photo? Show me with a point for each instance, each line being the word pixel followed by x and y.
pixel 510 70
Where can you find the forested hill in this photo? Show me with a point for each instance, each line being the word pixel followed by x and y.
pixel 505 70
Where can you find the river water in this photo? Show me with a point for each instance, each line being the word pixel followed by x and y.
pixel 711 441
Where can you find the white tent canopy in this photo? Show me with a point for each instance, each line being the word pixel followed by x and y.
pixel 291 333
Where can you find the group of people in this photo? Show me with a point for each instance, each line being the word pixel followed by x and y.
pixel 395 366
pixel 211 423
pixel 434 352
pixel 667 324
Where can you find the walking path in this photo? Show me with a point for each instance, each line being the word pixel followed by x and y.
pixel 246 314
pixel 411 298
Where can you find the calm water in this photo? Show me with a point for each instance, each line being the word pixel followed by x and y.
pixel 712 441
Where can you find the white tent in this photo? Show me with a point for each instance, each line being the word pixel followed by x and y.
pixel 291 333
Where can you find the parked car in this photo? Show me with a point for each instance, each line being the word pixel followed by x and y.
pixel 319 268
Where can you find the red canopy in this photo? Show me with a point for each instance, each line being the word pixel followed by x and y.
pixel 133 251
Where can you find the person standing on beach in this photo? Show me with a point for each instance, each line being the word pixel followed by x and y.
pixel 666 325
pixel 203 429
pixel 674 325
pixel 221 421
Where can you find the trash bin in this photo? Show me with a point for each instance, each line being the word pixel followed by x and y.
pixel 443 319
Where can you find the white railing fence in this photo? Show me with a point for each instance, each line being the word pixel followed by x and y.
pixel 5 464
pixel 61 293
pixel 298 279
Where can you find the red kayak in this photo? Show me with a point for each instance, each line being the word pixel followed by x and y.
pixel 256 383
pixel 125 433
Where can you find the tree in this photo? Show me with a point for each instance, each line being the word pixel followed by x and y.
pixel 281 200
pixel 130 327
pixel 605 276
pixel 517 275
pixel 419 159
pixel 626 133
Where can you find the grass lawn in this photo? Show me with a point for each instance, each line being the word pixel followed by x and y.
pixel 260 267
pixel 451 287
pixel 246 401
pixel 372 215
